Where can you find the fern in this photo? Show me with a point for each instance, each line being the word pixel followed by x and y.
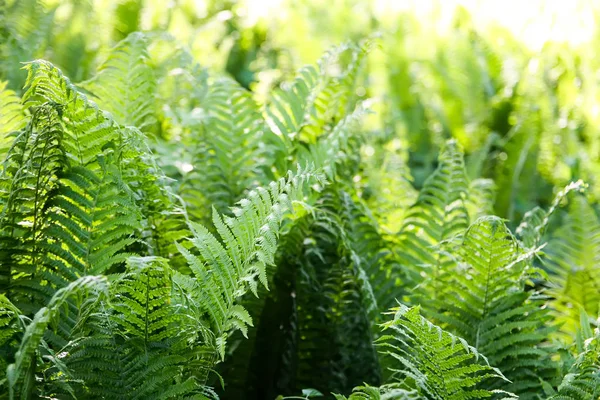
pixel 11 324
pixel 249 244
pixel 125 84
pixel 535 222
pixel 489 306
pixel 11 114
pixel 21 374
pixel 62 186
pixel 437 363
pixel 583 380
pixel 437 218
pixel 227 158
pixel 140 345
pixel 572 258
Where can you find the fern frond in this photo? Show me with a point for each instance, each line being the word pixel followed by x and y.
pixel 21 373
pixel 11 324
pixel 249 244
pixel 89 129
pixel 142 344
pixel 228 158
pixel 12 116
pixel 583 380
pixel 482 193
pixel 60 220
pixel 316 100
pixel 535 222
pixel 438 364
pixel 125 84
pixel 488 305
pixel 573 255
pixel 438 217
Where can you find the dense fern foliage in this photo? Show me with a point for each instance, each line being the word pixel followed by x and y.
pixel 188 212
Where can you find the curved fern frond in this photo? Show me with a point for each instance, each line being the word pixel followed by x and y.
pixel 535 222
pixel 249 244
pixel 438 364
pixel 21 374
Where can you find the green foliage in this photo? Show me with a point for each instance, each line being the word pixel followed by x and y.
pixel 487 304
pixel 572 253
pixel 195 220
pixel 125 85
pixel 583 379
pixel 437 363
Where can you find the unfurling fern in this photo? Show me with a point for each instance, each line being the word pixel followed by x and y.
pixel 436 363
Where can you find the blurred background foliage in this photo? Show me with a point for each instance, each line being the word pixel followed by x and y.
pixel 516 83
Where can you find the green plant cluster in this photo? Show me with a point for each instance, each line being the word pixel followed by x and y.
pixel 186 214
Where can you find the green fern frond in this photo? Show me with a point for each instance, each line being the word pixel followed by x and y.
pixel 11 324
pixel 60 221
pixel 228 158
pixel 535 222
pixel 30 173
pixel 337 147
pixel 21 374
pixel 436 363
pixel 438 217
pixel 334 96
pixel 316 99
pixel 573 255
pixel 141 344
pixel 583 380
pixel 289 105
pixel 377 263
pixel 482 193
pixel 249 244
pixel 89 129
pixel 12 116
pixel 125 84
pixel 488 305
